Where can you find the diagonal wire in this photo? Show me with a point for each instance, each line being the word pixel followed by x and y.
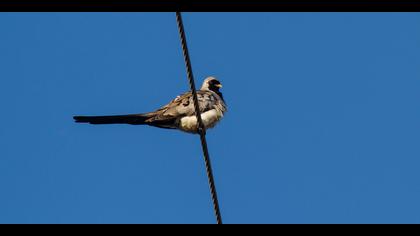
pixel 201 128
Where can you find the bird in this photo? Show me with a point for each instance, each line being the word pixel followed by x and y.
pixel 177 114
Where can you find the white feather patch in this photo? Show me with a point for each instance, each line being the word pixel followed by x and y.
pixel 209 118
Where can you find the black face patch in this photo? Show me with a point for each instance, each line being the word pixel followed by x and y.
pixel 215 82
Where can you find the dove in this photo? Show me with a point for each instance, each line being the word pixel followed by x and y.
pixel 177 114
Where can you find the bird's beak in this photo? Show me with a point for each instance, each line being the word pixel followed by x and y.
pixel 219 85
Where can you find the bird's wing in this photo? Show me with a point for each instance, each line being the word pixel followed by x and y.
pixel 183 105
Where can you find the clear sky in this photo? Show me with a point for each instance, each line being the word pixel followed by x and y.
pixel 322 127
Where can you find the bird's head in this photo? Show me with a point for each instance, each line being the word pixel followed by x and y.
pixel 211 83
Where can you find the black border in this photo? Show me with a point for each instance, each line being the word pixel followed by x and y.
pixel 210 5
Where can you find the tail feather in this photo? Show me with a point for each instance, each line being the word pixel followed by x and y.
pixel 137 119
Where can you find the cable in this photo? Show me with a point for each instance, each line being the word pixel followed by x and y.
pixel 201 128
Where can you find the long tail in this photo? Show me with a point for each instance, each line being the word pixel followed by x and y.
pixel 135 119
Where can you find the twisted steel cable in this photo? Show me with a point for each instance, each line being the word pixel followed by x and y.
pixel 201 128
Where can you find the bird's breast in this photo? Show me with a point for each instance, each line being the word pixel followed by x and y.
pixel 209 118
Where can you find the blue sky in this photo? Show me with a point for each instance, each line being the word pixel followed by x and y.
pixel 322 127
